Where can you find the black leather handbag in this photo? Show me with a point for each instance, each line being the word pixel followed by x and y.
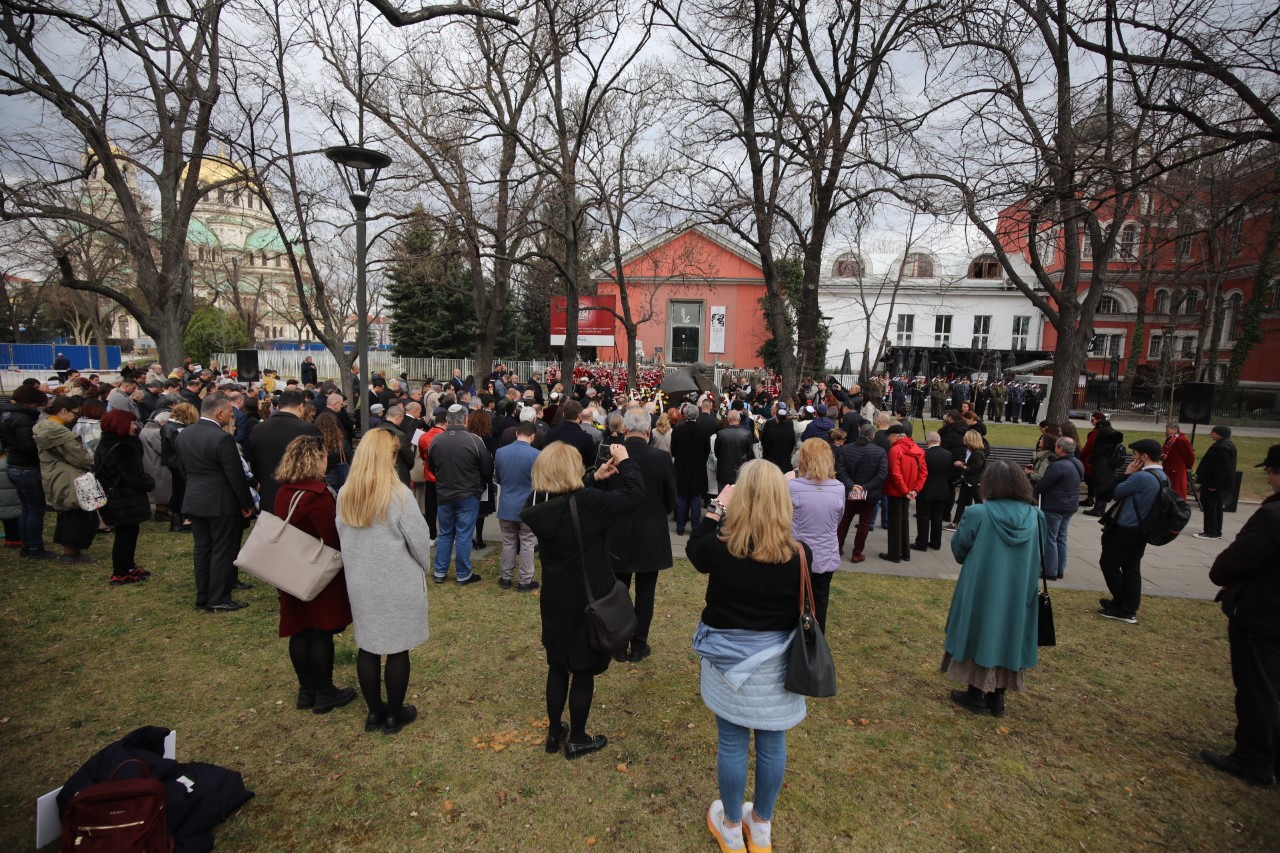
pixel 611 619
pixel 1047 635
pixel 811 671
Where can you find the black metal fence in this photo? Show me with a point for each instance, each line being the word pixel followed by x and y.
pixel 1246 406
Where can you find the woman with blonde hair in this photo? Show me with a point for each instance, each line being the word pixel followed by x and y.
pixel 311 505
pixel 571 549
pixel 662 433
pixel 817 502
pixel 752 605
pixel 384 552
pixel 971 467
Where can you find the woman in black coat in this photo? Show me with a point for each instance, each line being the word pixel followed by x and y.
pixel 557 480
pixel 1106 450
pixel 117 463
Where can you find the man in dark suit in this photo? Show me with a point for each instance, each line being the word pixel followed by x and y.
pixel 272 437
pixel 216 499
pixel 778 440
pixel 310 376
pixel 934 498
pixel 641 545
pixel 569 431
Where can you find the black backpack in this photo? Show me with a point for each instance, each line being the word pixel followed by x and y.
pixel 1168 516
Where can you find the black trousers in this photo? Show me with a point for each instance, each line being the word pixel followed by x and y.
pixel 1121 564
pixel 430 506
pixel 646 589
pixel 821 596
pixel 1211 503
pixel 899 527
pixel 217 541
pixel 929 518
pixel 1255 669
pixel 124 549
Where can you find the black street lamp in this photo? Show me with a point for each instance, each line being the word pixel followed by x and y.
pixel 359 168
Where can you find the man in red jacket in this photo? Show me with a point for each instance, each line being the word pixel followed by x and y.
pixel 1249 576
pixel 904 481
pixel 1178 458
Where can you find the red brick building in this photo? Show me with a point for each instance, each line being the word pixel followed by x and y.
pixel 1182 270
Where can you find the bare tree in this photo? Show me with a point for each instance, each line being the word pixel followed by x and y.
pixel 792 106
pixel 123 95
pixel 627 173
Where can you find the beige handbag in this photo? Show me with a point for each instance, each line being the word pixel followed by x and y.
pixel 287 558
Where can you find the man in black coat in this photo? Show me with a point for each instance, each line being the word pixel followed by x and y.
pixel 641 545
pixel 778 440
pixel 272 437
pixel 216 499
pixel 309 375
pixel 1249 575
pixel 952 435
pixel 568 430
pixel 690 447
pixel 191 392
pixel 1216 476
pixel 934 499
pixel 733 449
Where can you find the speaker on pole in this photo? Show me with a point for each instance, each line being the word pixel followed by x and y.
pixel 1195 405
pixel 247 365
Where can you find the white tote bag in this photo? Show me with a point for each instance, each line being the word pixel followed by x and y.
pixel 287 558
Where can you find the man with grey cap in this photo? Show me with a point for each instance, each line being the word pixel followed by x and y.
pixel 463 468
pixel 1249 575
pixel 1122 541
pixel 1216 476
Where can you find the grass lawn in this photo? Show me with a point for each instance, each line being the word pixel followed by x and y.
pixel 1250 450
pixel 1101 753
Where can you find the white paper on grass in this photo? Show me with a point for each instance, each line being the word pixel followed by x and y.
pixel 49 822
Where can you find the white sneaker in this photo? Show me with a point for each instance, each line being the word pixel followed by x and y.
pixel 758 834
pixel 431 543
pixel 730 840
pixel 1206 536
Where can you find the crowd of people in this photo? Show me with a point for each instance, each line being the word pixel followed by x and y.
pixel 590 476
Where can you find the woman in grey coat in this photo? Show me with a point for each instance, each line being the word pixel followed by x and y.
pixel 384 554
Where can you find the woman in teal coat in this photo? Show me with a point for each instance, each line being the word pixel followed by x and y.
pixel 993 622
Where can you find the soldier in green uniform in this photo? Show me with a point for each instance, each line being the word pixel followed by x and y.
pixel 938 390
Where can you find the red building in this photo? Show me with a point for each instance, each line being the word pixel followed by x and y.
pixel 696 296
pixel 1184 270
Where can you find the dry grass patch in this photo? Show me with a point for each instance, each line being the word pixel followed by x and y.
pixel 1100 754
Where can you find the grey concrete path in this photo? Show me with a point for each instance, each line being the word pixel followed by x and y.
pixel 1179 569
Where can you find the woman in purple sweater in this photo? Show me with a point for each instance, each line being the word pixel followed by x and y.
pixel 817 501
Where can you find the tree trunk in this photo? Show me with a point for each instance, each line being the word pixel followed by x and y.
pixel 1068 362
pixel 633 368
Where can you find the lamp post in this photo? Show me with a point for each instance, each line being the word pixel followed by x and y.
pixel 359 168
pixel 1166 362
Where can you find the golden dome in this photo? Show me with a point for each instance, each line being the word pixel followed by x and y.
pixel 220 170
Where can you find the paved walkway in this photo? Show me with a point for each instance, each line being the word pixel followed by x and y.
pixel 1179 569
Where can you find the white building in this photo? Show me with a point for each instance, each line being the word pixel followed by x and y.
pixel 928 312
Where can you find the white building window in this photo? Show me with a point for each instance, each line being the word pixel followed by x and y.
pixel 1047 246
pixel 847 265
pixel 1108 305
pixel 1112 345
pixel 1162 302
pixel 905 330
pixel 124 328
pixel 917 265
pixel 1191 302
pixel 942 329
pixel 981 331
pixel 1233 317
pixel 1188 347
pixel 1155 346
pixel 1129 241
pixel 1186 244
pixel 1021 332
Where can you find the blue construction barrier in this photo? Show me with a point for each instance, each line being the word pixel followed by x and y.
pixel 40 357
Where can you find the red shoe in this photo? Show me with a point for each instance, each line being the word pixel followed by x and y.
pixel 856 558
pixel 13 543
pixel 139 572
pixel 121 580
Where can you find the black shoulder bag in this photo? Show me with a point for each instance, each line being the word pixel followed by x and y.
pixel 1046 635
pixel 811 671
pixel 611 619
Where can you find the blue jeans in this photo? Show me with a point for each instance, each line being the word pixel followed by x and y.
pixel 731 768
pixel 31 516
pixel 456 521
pixel 881 509
pixel 688 511
pixel 1055 545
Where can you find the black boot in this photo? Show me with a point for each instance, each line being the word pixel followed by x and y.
pixel 995 702
pixel 971 699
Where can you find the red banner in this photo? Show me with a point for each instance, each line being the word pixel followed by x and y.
pixel 595 325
